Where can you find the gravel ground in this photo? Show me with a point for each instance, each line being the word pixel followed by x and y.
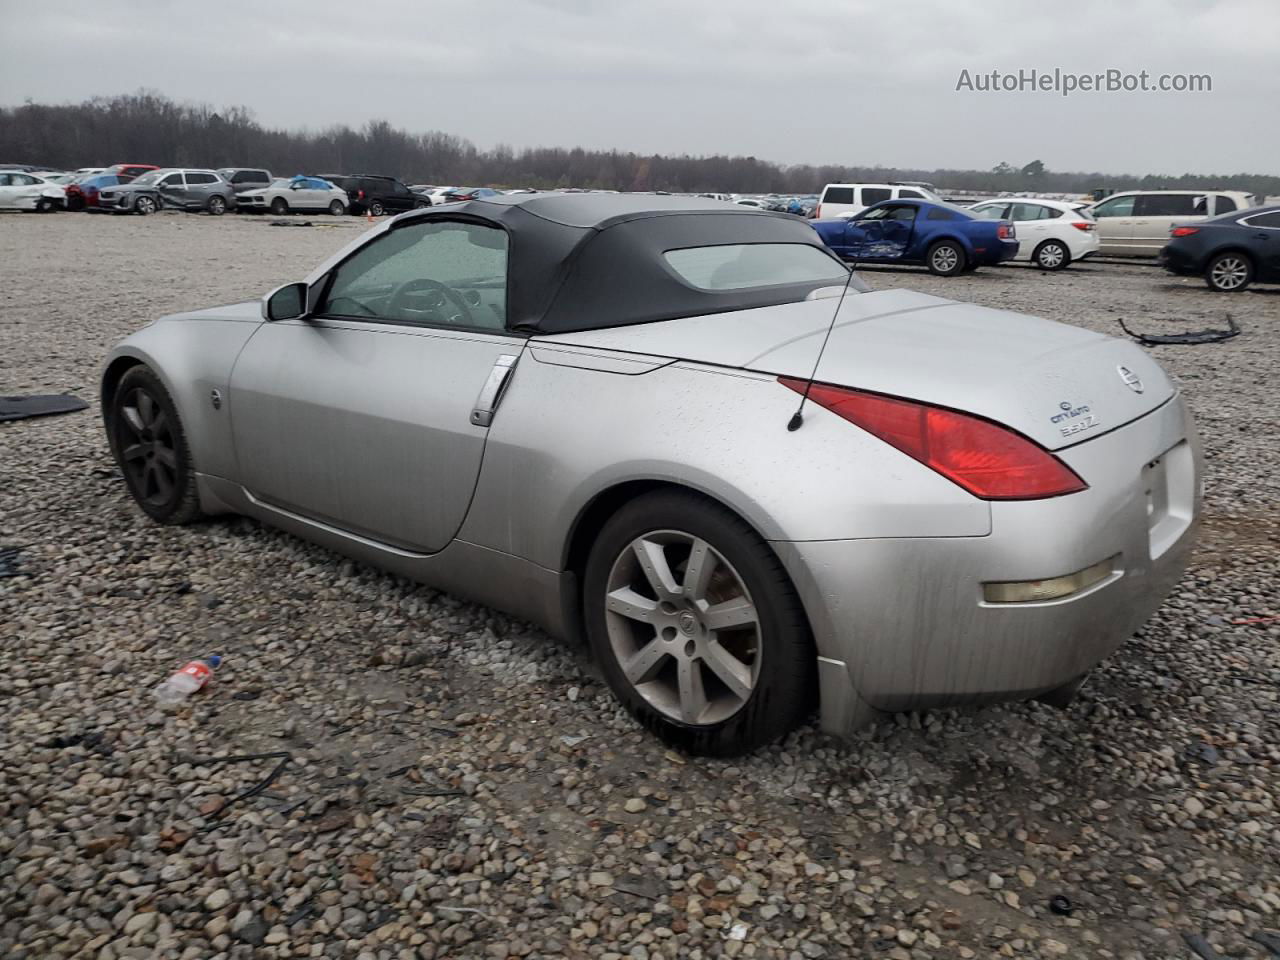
pixel 456 785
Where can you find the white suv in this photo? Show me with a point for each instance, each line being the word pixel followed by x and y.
pixel 1136 223
pixel 847 199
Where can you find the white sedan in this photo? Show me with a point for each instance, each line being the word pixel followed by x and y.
pixel 295 195
pixel 26 191
pixel 1051 233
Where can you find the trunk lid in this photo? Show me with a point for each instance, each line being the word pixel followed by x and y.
pixel 1055 383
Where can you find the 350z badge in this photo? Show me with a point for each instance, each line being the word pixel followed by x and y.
pixel 1072 419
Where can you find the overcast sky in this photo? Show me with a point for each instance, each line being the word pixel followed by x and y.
pixel 821 81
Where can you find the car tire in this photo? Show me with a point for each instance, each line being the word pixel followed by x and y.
pixel 1052 255
pixel 217 205
pixel 144 206
pixel 1229 272
pixel 376 209
pixel 45 205
pixel 336 209
pixel 675 682
pixel 421 204
pixel 945 258
pixel 279 206
pixel 150 448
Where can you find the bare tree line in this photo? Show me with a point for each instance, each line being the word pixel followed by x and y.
pixel 147 127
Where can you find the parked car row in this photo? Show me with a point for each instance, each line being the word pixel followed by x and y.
pixel 146 188
pixel 1220 234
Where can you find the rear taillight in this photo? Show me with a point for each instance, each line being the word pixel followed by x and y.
pixel 1005 231
pixel 988 460
pixel 1183 231
pixel 360 194
pixel 1085 225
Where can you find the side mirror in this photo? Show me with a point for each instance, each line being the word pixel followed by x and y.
pixel 285 303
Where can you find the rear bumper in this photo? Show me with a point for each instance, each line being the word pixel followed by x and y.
pixel 906 621
pixel 997 252
pixel 1178 261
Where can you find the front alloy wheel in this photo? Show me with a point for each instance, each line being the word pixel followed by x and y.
pixel 144 205
pixel 696 625
pixel 150 448
pixel 1229 272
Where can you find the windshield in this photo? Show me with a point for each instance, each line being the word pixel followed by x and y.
pixel 150 176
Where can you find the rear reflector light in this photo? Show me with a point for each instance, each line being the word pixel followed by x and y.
pixel 1039 591
pixel 1084 225
pixel 1183 231
pixel 990 461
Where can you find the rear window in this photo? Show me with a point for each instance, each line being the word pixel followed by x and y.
pixel 738 266
pixel 838 195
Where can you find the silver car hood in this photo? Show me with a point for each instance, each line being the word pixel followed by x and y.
pixel 1053 382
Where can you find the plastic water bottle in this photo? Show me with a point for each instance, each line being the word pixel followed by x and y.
pixel 187 681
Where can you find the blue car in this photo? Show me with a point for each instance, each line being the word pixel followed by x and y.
pixel 946 239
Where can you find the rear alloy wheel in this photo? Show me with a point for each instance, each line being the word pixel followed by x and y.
pixel 376 208
pixel 697 627
pixel 945 258
pixel 217 206
pixel 336 209
pixel 1052 255
pixel 151 449
pixel 144 205
pixel 1229 272
pixel 279 206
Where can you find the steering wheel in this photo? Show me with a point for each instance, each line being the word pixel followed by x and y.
pixel 402 293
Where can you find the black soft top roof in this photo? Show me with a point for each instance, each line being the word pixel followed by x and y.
pixel 582 261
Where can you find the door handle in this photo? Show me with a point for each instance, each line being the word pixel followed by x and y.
pixel 491 392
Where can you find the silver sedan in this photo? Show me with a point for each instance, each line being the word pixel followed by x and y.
pixel 682 430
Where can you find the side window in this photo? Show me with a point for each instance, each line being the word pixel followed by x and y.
pixel 1171 205
pixel 1050 213
pixel 1271 220
pixel 1224 204
pixel 5 179
pixel 22 180
pixel 400 189
pixel 1026 211
pixel 987 211
pixel 437 273
pixel 172 180
pixel 872 195
pixel 892 211
pixel 201 178
pixel 838 195
pixel 937 213
pixel 910 194
pixel 1117 207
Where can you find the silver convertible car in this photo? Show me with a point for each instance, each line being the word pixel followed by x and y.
pixel 683 430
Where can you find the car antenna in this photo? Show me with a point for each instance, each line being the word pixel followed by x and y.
pixel 797 418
